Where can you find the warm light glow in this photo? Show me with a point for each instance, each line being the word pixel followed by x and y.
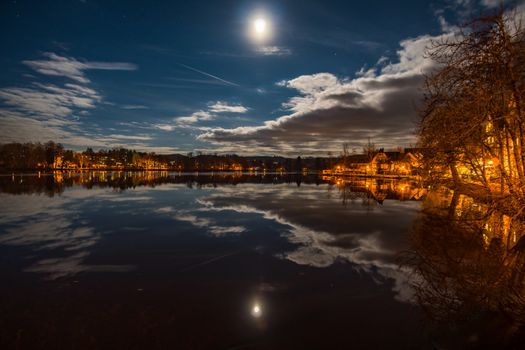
pixel 256 310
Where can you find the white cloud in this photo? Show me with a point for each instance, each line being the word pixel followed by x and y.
pixel 209 224
pixel 48 225
pixel 224 107
pixel 214 108
pixel 44 225
pixel 56 65
pixel 274 51
pixel 47 100
pixel 320 234
pixel 366 73
pixel 130 137
pixel 164 127
pixel 379 103
pixel 194 118
pixel 41 112
pixel 311 84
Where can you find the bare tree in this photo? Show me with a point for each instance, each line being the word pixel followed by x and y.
pixel 369 149
pixel 345 153
pixel 473 115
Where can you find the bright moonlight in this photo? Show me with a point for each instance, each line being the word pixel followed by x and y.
pixel 260 25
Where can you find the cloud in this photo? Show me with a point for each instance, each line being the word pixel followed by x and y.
pixel 443 23
pixel 71 68
pixel 341 40
pixel 274 51
pixel 48 100
pixel 46 225
pixel 19 128
pixel 129 137
pixel 133 107
pixel 40 112
pixel 210 113
pixel 165 127
pixel 311 84
pixel 208 224
pixel 494 3
pixel 224 107
pixel 43 226
pixel 194 118
pixel 16 127
pixel 317 227
pixel 329 110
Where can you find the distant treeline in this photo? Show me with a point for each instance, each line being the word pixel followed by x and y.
pixel 53 156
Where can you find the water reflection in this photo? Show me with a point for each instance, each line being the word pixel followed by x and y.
pixel 236 257
pixel 55 183
pixel 323 232
pixel 367 231
pixel 471 261
pixel 374 191
pixel 269 250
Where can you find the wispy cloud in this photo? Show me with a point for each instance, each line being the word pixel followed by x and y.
pixel 56 65
pixel 165 127
pixel 209 224
pixel 39 112
pixel 48 100
pixel 132 107
pixel 274 51
pixel 129 137
pixel 210 113
pixel 341 40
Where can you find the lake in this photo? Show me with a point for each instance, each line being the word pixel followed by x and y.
pixel 214 261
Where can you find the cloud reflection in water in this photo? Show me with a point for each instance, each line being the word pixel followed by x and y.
pixel 311 218
pixel 54 226
pixel 325 232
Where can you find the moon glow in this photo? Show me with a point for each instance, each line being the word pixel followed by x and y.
pixel 260 29
pixel 259 25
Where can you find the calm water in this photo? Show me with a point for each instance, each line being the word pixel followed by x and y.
pixel 164 260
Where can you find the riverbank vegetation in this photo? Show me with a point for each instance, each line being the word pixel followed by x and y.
pixel 472 127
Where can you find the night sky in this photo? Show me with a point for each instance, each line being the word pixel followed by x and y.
pixel 181 76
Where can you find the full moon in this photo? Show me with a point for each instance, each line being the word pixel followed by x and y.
pixel 259 28
pixel 260 25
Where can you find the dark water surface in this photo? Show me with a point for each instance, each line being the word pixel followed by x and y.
pixel 174 261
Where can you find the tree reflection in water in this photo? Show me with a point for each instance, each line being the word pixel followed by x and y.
pixel 374 191
pixel 55 183
pixel 470 263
